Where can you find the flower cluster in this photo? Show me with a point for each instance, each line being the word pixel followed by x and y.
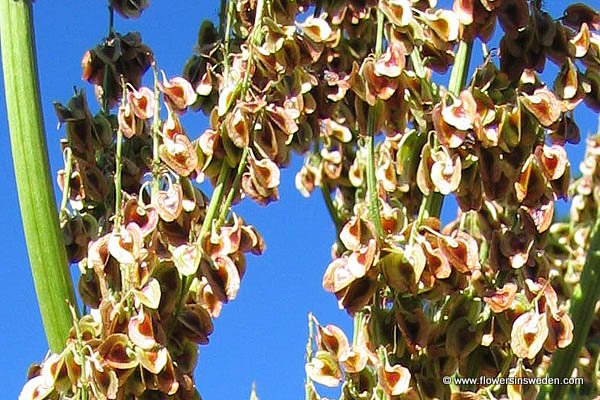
pixel 157 257
pixel 479 295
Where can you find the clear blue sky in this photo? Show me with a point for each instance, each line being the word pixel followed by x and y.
pixel 261 336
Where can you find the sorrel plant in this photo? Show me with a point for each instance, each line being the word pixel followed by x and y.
pixel 392 112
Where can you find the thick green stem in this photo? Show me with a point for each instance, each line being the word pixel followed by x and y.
pixel 45 245
pixel 582 311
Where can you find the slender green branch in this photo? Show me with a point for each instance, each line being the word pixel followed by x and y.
pixel 335 217
pixel 111 18
pixel 234 187
pixel 105 86
pixel 308 388
pixel 216 199
pixel 222 17
pixel 325 191
pixel 431 206
pixel 358 324
pixel 156 134
pixel 230 14
pixel 68 154
pixel 372 195
pixel 254 41
pixel 45 245
pixel 379 37
pixel 118 174
pixel 460 69
pixel 119 167
pixel 211 213
pixel 417 63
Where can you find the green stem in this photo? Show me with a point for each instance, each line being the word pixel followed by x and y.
pixel 254 39
pixel 460 69
pixel 417 63
pixel 222 17
pixel 118 174
pixel 111 19
pixel 583 302
pixel 213 207
pixel 335 217
pixel 156 134
pixel 215 200
pixel 308 388
pixel 45 245
pixel 432 204
pixel 105 86
pixel 358 323
pixel 234 187
pixel 230 14
pixel 372 195
pixel 68 153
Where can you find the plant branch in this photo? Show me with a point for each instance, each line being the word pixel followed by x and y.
pixel 432 204
pixel 372 192
pixel 234 187
pixel 45 245
pixel 156 134
pixel 335 217
pixel 68 155
pixel 460 69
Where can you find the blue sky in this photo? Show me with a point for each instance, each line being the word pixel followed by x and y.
pixel 259 337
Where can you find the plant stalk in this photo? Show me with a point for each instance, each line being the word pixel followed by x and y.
pixel 47 254
pixel 372 195
pixel 118 178
pixel 68 156
pixel 156 134
pixel 234 187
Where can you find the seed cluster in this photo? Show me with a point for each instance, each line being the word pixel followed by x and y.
pixel 353 85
